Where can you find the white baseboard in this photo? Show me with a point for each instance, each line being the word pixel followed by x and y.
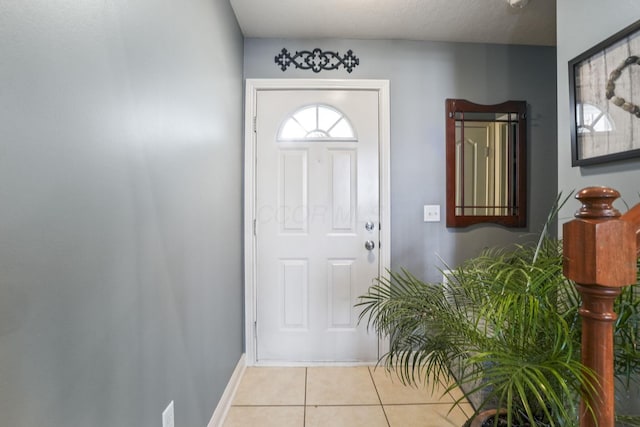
pixel 224 404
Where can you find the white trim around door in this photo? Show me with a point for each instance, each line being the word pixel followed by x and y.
pixel 253 86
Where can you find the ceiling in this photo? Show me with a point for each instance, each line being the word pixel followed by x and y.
pixel 481 21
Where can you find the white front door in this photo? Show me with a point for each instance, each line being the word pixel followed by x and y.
pixel 317 223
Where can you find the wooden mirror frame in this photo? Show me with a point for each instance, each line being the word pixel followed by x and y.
pixel 518 203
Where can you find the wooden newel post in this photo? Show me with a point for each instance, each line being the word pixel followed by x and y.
pixel 600 256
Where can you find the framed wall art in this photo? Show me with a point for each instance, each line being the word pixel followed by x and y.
pixel 604 94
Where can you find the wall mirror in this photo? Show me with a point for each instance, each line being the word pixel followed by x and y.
pixel 486 163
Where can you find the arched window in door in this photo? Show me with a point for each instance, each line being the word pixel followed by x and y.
pixel 319 122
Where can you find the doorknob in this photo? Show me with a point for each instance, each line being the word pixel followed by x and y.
pixel 369 245
pixel 369 225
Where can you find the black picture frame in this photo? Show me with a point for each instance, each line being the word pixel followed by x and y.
pixel 604 98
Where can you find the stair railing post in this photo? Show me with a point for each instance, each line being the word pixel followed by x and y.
pixel 599 254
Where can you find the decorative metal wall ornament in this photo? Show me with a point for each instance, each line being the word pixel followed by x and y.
pixel 317 60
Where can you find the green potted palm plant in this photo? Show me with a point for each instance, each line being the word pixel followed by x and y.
pixel 504 326
pixel 627 349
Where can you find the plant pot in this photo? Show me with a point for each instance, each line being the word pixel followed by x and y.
pixel 483 416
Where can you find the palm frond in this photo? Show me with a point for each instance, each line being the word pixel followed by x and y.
pixel 628 420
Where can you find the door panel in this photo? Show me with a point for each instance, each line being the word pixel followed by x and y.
pixel 313 200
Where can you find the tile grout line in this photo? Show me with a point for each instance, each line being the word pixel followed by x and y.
pixel 304 414
pixel 268 405
pixel 378 394
pixel 343 405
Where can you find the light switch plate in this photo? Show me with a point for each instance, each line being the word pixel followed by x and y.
pixel 431 213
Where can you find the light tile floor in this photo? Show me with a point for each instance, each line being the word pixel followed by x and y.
pixel 338 397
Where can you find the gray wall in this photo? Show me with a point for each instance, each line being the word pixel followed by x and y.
pixel 581 25
pixel 594 21
pixel 422 75
pixel 120 221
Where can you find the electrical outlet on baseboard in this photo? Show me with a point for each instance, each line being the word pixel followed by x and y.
pixel 167 416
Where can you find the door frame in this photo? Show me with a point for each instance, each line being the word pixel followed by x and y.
pixel 253 86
